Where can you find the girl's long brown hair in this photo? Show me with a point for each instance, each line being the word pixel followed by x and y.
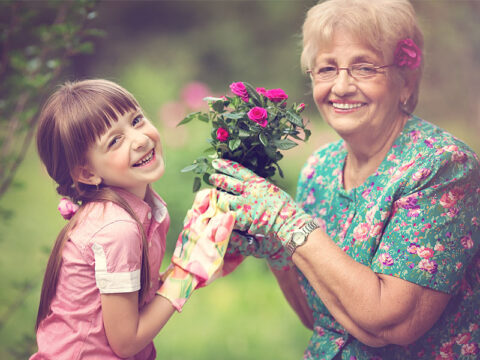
pixel 72 119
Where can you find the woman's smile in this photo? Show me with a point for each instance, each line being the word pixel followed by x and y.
pixel 343 106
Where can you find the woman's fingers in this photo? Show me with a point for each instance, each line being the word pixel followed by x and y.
pixel 233 169
pixel 227 183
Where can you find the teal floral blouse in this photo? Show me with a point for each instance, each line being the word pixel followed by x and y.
pixel 417 218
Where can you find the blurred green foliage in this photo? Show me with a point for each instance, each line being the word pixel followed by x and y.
pixel 156 49
pixel 37 39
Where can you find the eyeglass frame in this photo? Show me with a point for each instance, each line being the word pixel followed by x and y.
pixel 349 71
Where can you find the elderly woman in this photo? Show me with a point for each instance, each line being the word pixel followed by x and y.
pixel 384 235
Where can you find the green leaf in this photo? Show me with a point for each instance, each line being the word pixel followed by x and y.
pixel 205 178
pixel 294 118
pixel 218 106
pixel 253 94
pixel 263 139
pixel 196 184
pixel 243 134
pixel 234 144
pixel 189 118
pixel 189 168
pixel 212 99
pixel 233 116
pixel 285 144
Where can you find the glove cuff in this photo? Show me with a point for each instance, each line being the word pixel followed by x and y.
pixel 177 286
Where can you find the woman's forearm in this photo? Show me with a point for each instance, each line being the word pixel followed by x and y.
pixel 375 308
pixel 289 284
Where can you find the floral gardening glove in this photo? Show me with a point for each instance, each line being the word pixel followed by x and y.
pixel 198 256
pixel 261 208
pixel 242 244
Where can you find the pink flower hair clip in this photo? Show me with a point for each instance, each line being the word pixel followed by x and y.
pixel 407 54
pixel 67 208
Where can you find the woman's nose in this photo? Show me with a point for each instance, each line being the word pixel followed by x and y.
pixel 343 84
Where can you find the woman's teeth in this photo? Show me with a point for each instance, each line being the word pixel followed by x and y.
pixel 346 106
pixel 145 160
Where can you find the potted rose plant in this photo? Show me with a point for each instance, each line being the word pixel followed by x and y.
pixel 251 127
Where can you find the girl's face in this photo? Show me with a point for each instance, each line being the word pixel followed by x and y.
pixel 129 155
pixel 359 110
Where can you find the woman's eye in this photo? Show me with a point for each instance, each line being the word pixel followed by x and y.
pixel 327 70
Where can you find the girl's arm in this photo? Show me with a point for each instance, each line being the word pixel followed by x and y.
pixel 289 283
pixel 128 330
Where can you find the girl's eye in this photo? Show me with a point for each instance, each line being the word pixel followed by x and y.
pixel 137 120
pixel 114 141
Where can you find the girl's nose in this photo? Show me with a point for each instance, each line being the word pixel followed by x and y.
pixel 343 84
pixel 139 140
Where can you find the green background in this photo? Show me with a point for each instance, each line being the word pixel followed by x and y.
pixel 155 49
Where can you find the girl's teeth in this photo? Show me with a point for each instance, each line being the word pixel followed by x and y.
pixel 145 160
pixel 345 106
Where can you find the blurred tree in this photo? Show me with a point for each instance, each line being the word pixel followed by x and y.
pixel 37 41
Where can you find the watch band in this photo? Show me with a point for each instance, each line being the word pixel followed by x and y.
pixel 305 230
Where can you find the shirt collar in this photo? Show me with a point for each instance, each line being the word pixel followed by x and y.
pixel 144 209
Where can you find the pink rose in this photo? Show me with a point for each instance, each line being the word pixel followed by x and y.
pixel 258 115
pixel 470 349
pixel 463 338
pixel 407 54
pixel 276 95
pixel 361 232
pixel 239 89
pixel 450 198
pixel 412 248
pixel 467 242
pixel 67 208
pixel 425 252
pixel 222 134
pixel 421 174
pixel 300 107
pixel 428 265
pixel 385 259
pixel 261 91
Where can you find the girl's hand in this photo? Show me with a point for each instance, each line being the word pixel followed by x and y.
pixel 261 208
pixel 198 256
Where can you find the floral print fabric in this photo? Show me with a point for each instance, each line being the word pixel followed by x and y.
pixel 417 218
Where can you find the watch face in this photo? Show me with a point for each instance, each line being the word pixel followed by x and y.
pixel 298 237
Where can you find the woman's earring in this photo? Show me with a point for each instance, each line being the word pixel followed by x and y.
pixel 98 186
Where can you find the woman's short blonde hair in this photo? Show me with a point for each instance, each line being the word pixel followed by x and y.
pixel 378 23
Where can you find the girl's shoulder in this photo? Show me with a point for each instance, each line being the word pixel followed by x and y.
pixel 103 218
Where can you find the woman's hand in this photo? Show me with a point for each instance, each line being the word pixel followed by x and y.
pixel 261 208
pixel 242 245
pixel 198 256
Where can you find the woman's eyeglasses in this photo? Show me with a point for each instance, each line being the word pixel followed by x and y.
pixel 356 71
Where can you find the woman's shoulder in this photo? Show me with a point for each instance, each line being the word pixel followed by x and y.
pixel 426 156
pixel 429 138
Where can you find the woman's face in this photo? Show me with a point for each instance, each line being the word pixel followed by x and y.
pixel 358 110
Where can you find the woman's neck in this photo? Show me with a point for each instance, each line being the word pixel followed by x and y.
pixel 363 158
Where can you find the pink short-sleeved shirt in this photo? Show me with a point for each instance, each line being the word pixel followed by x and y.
pixel 102 255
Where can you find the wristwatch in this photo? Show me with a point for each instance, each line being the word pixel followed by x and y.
pixel 299 237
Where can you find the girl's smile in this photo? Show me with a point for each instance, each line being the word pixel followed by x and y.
pixel 128 155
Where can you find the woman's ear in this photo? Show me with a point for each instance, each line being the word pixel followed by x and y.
pixel 83 174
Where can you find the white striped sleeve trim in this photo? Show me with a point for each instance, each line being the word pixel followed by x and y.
pixel 108 283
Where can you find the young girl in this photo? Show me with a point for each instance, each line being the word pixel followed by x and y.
pixel 98 298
